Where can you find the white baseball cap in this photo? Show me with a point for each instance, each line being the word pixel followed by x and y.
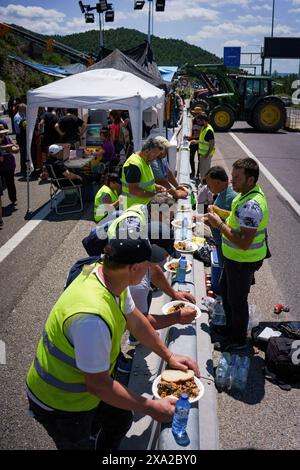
pixel 54 149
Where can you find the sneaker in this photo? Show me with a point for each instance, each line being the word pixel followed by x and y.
pixel 124 365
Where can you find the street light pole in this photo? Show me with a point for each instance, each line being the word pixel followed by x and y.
pixel 272 31
pixel 149 22
pixel 101 32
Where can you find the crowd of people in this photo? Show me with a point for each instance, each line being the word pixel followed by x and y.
pixel 71 385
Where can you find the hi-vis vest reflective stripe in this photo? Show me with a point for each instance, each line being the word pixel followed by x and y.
pixel 258 249
pixel 53 376
pixel 133 211
pixel 147 181
pixel 98 213
pixel 203 145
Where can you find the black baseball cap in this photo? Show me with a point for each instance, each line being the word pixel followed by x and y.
pixel 131 251
pixel 203 117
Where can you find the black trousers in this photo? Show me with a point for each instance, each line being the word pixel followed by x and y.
pixel 235 282
pixel 72 431
pixel 193 150
pixel 8 177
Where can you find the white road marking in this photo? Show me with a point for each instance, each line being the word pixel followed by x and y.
pixel 16 239
pixel 282 191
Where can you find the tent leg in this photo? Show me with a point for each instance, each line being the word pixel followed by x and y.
pixel 28 171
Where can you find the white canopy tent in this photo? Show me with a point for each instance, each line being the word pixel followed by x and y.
pixel 98 89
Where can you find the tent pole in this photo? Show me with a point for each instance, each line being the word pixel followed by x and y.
pixel 28 171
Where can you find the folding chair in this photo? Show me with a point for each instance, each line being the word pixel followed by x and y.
pixel 59 184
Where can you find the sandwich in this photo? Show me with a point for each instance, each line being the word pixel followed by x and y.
pixel 175 382
pixel 221 212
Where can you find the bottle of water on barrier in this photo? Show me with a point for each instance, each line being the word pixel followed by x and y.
pixel 218 314
pixel 222 376
pixel 239 372
pixel 180 419
pixel 181 272
pixel 209 303
pixel 184 226
pixel 193 200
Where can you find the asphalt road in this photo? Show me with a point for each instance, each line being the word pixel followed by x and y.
pixel 32 277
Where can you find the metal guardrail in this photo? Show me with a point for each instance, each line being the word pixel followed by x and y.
pixel 293 119
pixel 191 340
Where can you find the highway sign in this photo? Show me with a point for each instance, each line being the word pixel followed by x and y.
pixel 232 56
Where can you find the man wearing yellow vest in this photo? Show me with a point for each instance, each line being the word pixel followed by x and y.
pixel 138 183
pixel 206 147
pixel 107 198
pixel 70 384
pixel 244 247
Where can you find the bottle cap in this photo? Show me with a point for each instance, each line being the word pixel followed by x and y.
pixel 184 396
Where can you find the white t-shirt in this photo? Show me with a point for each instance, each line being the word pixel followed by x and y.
pixel 91 339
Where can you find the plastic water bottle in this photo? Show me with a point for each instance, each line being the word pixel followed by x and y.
pixel 180 419
pixel 184 226
pixel 239 372
pixel 193 200
pixel 218 314
pixel 181 271
pixel 209 303
pixel 222 376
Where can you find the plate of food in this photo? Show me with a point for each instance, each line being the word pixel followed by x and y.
pixel 172 266
pixel 175 305
pixel 184 208
pixel 172 383
pixel 178 224
pixel 185 246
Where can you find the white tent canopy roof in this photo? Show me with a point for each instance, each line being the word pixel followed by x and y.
pixel 98 89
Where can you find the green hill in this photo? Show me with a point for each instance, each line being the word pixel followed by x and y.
pixel 166 51
pixel 19 79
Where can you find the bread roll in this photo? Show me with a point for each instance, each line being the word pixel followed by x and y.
pixel 171 375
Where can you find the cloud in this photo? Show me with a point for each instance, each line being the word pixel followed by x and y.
pixel 227 30
pixel 262 7
pixel 251 18
pixel 41 20
pixel 235 43
pixel 294 10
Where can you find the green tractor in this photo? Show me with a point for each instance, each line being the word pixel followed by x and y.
pixel 235 97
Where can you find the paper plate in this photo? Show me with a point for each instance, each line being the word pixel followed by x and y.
pixel 177 224
pixel 166 266
pixel 176 302
pixel 197 382
pixel 192 247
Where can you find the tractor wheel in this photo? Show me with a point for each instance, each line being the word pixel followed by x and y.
pixel 222 118
pixel 269 115
pixel 203 104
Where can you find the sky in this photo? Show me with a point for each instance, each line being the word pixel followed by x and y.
pixel 209 24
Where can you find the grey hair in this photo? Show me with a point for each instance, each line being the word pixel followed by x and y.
pixel 152 144
pixel 163 141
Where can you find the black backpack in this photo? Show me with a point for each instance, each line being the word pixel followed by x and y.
pixel 283 361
